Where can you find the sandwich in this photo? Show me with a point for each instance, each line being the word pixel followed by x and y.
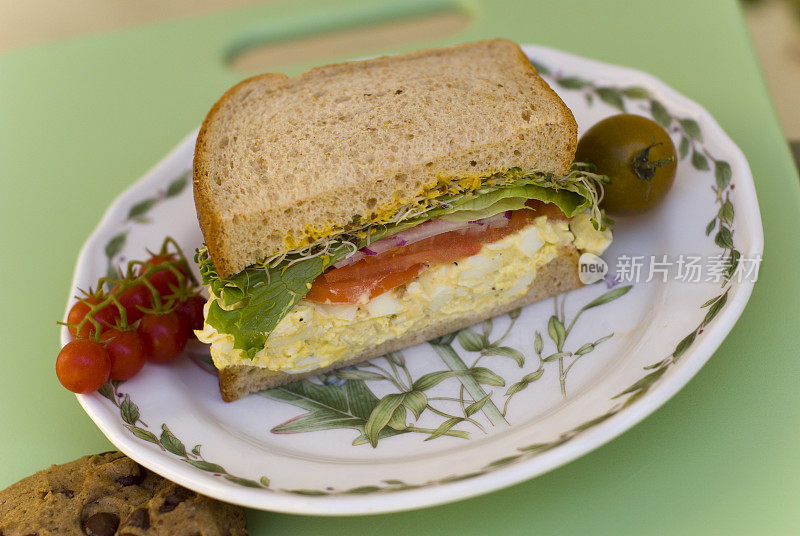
pixel 364 207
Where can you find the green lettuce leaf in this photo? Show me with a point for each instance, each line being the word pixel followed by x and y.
pixel 273 291
pixel 514 198
pixel 251 303
pixel 502 205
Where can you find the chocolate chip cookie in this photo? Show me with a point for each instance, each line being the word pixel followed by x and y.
pixel 111 495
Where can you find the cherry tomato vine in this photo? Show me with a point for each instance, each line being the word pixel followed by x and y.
pixel 148 314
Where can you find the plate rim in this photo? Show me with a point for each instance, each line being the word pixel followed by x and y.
pixel 441 493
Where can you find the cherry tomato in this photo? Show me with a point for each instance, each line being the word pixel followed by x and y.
pixel 107 316
pixel 164 336
pixel 132 299
pixel 165 280
pixel 191 312
pixel 83 366
pixel 639 158
pixel 126 350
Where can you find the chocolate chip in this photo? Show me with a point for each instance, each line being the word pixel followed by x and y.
pixel 68 493
pixel 174 498
pixel 101 524
pixel 139 518
pixel 134 479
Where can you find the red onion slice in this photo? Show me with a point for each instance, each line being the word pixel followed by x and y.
pixel 421 232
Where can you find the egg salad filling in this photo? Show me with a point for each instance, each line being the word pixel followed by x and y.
pixel 314 335
pixel 250 304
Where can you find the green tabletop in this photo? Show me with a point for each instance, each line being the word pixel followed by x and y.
pixel 79 121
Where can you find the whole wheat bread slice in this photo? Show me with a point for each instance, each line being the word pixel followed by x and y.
pixel 301 157
pixel 559 275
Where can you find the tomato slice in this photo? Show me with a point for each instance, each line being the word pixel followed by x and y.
pixel 361 291
pixel 402 258
pixel 374 275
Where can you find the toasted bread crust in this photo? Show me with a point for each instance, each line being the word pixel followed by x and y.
pixel 280 157
pixel 558 276
pixel 207 217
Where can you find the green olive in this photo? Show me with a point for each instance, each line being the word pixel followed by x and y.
pixel 638 157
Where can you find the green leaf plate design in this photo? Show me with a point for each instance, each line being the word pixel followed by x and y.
pixel 472 411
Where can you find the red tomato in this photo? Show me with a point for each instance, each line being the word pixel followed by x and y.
pixel 377 274
pixel 134 298
pixel 107 316
pixel 165 280
pixel 353 291
pixel 83 366
pixel 191 312
pixel 402 258
pixel 164 336
pixel 126 350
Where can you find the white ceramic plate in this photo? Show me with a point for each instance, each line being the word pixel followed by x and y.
pixel 302 448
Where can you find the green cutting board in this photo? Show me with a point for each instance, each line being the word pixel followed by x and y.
pixel 81 120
